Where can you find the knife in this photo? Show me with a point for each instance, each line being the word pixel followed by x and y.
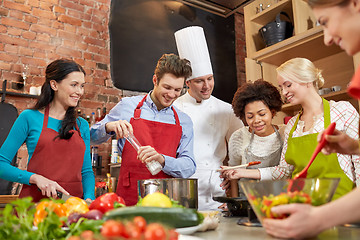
pixel 63 196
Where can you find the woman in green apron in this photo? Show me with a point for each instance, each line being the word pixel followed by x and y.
pixel 341 22
pixel 299 81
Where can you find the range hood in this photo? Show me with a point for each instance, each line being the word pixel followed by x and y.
pixel 223 8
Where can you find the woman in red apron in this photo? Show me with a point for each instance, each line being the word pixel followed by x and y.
pixel 58 142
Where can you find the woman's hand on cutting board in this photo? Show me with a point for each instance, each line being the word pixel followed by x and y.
pixel 339 142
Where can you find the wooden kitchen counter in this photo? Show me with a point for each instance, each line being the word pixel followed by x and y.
pixel 229 230
pixel 5 199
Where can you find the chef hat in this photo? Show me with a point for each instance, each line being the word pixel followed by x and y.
pixel 191 44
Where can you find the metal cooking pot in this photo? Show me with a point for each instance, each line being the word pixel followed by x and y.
pixel 185 191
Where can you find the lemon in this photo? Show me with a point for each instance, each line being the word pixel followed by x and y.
pixel 156 199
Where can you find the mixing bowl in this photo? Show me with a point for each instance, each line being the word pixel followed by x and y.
pixel 263 195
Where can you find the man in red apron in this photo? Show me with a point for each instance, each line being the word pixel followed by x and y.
pixel 165 133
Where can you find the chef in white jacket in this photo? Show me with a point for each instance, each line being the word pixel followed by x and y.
pixel 213 120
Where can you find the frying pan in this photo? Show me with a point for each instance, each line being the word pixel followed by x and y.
pixel 237 206
pixel 8 115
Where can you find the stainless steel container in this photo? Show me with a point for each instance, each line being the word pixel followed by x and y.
pixel 185 191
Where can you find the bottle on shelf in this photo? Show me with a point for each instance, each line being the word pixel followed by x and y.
pixel 79 113
pixel 103 113
pixel 109 183
pixel 94 156
pixel 114 150
pixel 98 115
pixel 92 119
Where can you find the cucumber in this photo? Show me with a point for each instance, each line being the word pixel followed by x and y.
pixel 172 217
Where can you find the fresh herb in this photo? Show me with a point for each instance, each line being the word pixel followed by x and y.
pixel 84 224
pixel 16 222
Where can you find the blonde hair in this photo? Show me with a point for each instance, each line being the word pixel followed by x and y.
pixel 327 3
pixel 301 70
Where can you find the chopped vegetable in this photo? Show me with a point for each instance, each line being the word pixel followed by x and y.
pixel 75 204
pixel 265 204
pixel 46 206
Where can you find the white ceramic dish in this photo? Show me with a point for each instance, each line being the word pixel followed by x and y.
pixel 187 230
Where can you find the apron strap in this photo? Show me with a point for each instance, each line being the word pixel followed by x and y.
pixel 327 121
pixel 137 111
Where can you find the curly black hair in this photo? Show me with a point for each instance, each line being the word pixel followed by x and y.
pixel 259 90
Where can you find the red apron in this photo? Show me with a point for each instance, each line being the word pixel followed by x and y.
pixel 164 137
pixel 60 160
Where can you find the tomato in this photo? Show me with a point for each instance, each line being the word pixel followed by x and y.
pixel 173 235
pixel 155 231
pixel 112 228
pixel 87 235
pixel 140 222
pixel 106 202
pixel 133 231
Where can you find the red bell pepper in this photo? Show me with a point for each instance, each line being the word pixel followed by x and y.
pixel 106 202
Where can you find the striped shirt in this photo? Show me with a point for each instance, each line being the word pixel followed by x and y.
pixel 347 120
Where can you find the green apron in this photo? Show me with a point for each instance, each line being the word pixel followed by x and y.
pixel 300 149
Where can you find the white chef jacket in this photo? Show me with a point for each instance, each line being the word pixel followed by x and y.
pixel 214 122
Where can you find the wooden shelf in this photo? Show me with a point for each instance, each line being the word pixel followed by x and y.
pixel 335 96
pixel 297 46
pixel 270 13
pixel 115 164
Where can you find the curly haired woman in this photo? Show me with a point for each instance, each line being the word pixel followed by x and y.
pixel 256 104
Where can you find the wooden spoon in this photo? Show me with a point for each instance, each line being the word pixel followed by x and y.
pixel 238 166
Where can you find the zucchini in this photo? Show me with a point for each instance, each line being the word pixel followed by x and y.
pixel 172 217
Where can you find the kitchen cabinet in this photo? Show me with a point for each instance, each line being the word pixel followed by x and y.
pixel 307 41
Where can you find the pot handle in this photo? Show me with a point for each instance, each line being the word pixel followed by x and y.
pixel 277 19
pixel 152 182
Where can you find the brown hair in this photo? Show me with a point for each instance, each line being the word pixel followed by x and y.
pixel 260 90
pixel 171 63
pixel 327 3
pixel 58 70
